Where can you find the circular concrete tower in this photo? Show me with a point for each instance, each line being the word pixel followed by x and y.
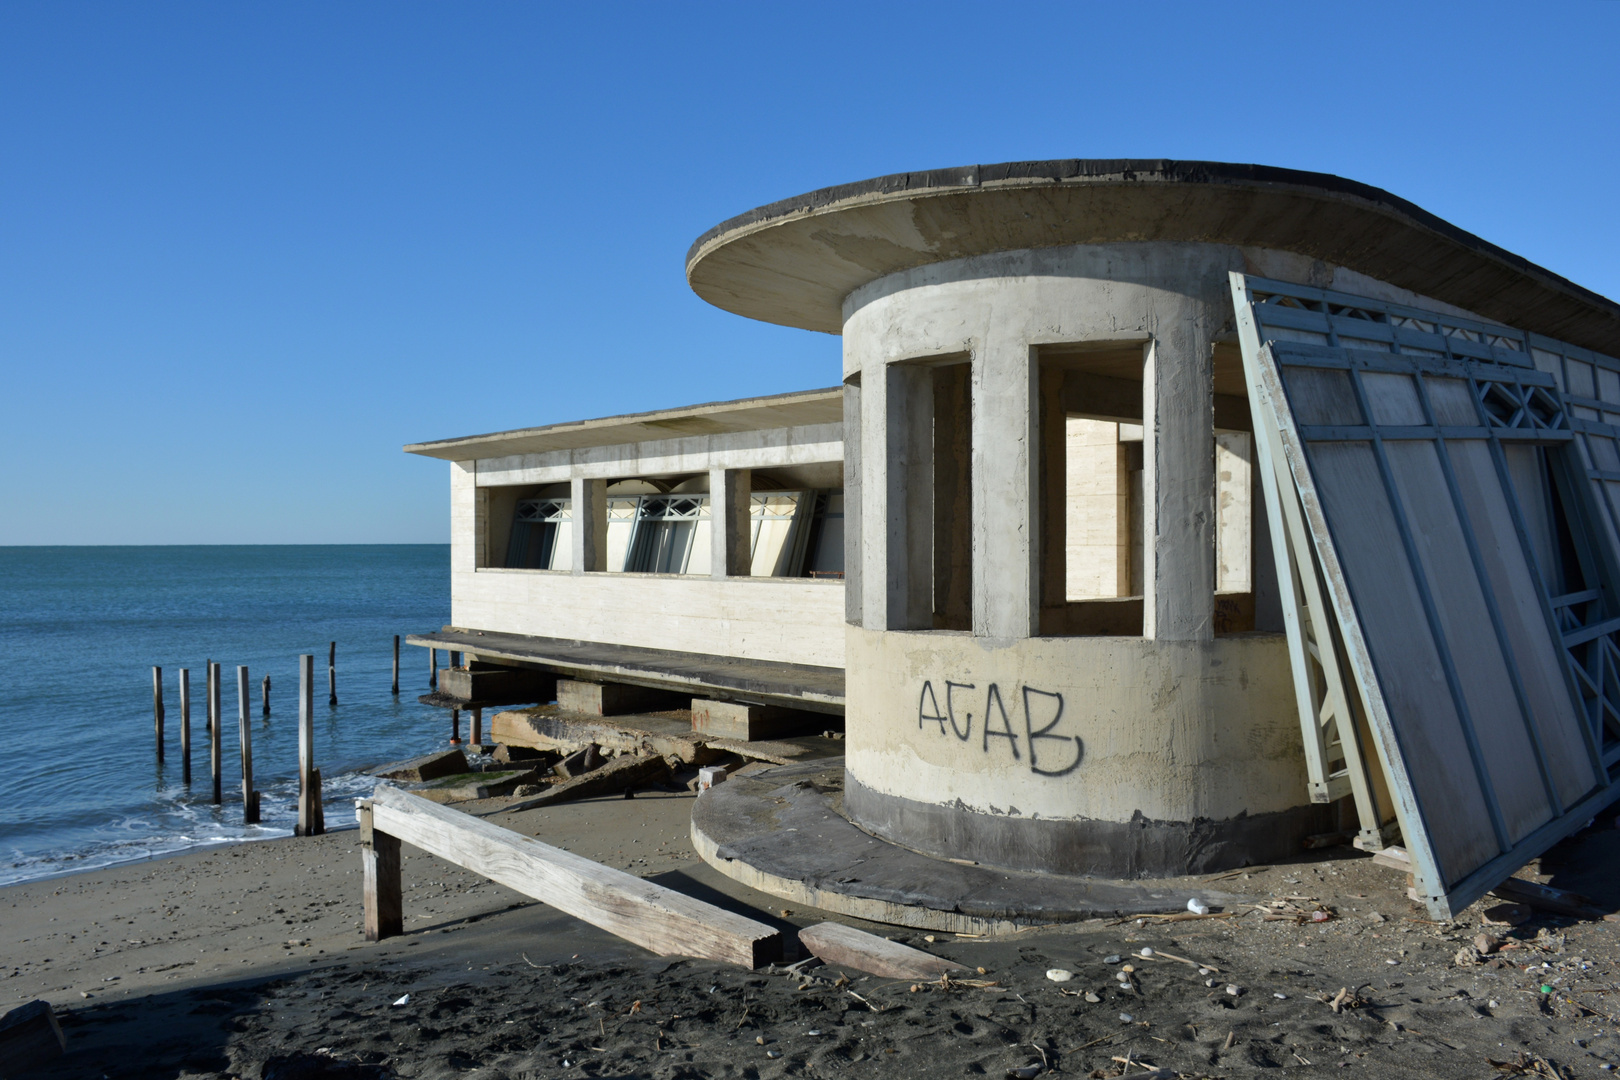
pixel 1065 649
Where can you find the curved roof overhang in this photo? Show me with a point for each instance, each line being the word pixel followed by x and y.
pixel 793 262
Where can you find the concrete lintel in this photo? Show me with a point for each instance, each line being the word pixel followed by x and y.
pixel 776 447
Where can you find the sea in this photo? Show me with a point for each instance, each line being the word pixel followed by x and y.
pixel 81 629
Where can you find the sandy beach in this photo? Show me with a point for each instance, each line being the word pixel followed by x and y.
pixel 248 961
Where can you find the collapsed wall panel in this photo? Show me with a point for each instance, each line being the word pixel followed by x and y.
pixel 1440 508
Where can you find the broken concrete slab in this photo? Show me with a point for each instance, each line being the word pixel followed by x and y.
pixel 579 762
pixel 426 767
pixel 548 727
pixel 781 751
pixel 467 787
pixel 617 775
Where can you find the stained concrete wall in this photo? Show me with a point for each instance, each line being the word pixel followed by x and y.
pixel 794 620
pixel 1087 732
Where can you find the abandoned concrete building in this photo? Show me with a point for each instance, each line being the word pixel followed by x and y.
pixel 1167 514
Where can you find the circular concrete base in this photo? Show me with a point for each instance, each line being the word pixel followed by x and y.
pixel 780 831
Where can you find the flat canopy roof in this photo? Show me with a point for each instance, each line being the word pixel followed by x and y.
pixel 800 408
pixel 793 262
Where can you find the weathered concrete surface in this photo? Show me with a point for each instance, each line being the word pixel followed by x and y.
pixel 748 721
pixel 794 262
pixel 1029 748
pixel 779 831
pixel 426 767
pixel 613 699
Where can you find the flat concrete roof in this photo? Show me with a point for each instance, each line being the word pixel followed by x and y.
pixel 793 262
pixel 800 408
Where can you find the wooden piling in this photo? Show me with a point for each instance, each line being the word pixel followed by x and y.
pixel 311 821
pixel 331 674
pixel 250 798
pixel 382 883
pixel 433 669
pixel 213 729
pixel 265 689
pixel 478 727
pixel 157 708
pixel 455 727
pixel 185 725
pixel 396 663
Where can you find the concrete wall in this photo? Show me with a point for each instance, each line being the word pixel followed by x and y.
pixel 1171 731
pixel 794 620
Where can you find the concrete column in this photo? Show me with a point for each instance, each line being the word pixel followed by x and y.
pixel 730 510
pixel 853 612
pixel 466 523
pixel 589 516
pixel 1178 482
pixel 909 531
pixel 1006 467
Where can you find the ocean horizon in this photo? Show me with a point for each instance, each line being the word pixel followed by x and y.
pixel 82 788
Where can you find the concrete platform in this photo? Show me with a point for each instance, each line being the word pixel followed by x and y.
pixel 799 686
pixel 780 831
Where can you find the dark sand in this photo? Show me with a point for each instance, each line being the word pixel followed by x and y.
pixel 249 962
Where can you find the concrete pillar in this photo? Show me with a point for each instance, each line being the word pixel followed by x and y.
pixel 1178 481
pixel 908 536
pixel 589 519
pixel 1006 467
pixel 953 497
pixel 466 523
pixel 853 612
pixel 730 511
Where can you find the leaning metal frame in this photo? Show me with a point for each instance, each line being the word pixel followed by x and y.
pixel 1521 402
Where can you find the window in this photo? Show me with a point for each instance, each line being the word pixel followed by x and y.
pixel 670 536
pixel 541 537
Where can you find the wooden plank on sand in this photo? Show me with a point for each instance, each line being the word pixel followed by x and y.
pixel 847 947
pixel 658 919
pixel 30 1037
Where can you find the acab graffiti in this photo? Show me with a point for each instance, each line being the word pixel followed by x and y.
pixel 1050 752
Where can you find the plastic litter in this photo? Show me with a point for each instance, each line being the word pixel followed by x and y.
pixel 1197 906
pixel 406 1000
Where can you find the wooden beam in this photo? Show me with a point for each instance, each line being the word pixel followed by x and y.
pixel 845 946
pixel 658 919
pixel 30 1038
pixel 381 879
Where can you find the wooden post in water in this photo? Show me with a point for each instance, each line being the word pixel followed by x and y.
pixel 213 729
pixel 331 673
pixel 250 798
pixel 265 688
pixel 478 727
pixel 311 821
pixel 455 727
pixel 185 725
pixel 433 668
pixel 157 708
pixel 396 663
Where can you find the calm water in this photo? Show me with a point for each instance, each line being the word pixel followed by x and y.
pixel 80 629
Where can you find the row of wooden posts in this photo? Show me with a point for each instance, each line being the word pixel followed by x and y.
pixel 311 818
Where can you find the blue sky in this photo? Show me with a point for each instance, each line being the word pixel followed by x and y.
pixel 248 250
